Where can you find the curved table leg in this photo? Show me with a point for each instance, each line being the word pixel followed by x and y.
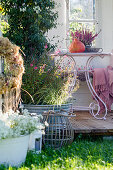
pixel 94 94
pixel 69 67
pixel 92 105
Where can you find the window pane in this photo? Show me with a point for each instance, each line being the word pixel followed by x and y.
pixel 82 9
pixel 83 25
pixel 79 26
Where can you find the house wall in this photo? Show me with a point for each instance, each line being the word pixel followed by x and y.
pixel 58 35
pixel 104 15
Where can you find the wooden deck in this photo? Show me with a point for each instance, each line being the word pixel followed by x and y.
pixel 86 124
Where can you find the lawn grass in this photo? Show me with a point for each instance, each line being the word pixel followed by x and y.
pixel 82 154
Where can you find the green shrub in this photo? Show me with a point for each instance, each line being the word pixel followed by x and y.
pixel 28 21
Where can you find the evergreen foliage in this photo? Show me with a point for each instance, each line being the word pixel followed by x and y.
pixel 28 21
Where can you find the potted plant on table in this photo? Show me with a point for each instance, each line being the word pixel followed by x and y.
pixel 14 136
pixel 86 37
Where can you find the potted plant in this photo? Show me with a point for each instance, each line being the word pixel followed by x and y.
pixel 14 136
pixel 86 37
pixel 46 84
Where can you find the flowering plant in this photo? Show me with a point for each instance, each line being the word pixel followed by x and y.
pixel 44 82
pixel 85 36
pixel 14 125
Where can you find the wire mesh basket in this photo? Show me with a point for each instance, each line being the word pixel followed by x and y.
pixel 59 131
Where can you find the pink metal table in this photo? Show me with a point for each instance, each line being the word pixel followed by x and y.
pixel 92 107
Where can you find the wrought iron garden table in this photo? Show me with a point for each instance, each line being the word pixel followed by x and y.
pixel 94 107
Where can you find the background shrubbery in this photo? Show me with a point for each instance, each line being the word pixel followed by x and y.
pixel 28 22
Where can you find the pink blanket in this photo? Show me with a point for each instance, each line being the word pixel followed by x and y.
pixel 103 85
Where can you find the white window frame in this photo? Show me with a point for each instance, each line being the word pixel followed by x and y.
pixel 94 21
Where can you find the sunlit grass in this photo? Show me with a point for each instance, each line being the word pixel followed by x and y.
pixel 82 154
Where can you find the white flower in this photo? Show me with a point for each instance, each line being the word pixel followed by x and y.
pixel 46 124
pixel 13 125
pixel 23 4
pixel 36 9
pixel 23 9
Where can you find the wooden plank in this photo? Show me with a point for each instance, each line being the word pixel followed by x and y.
pixel 92 126
pixel 79 128
pixel 83 115
pixel 84 122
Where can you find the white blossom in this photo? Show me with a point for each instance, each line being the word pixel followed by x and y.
pixel 36 9
pixel 13 125
pixel 23 9
pixel 46 123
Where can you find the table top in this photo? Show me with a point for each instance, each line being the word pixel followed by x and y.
pixel 81 54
